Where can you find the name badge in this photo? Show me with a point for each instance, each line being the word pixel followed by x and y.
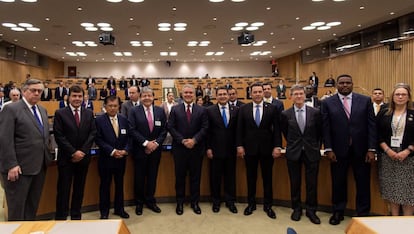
pixel 157 123
pixel 123 131
pixel 396 141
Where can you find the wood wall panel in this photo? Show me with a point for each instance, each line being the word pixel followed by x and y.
pixel 371 68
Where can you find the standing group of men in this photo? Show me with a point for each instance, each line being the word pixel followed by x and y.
pixel 223 131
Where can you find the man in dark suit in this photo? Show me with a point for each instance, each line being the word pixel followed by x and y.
pixel 302 128
pixel 75 130
pixel 24 152
pixel 144 82
pixel 188 124
pixel 311 100
pixel 60 91
pixel 267 93
pixel 258 140
pixel 350 140
pixel 221 149
pixel 123 84
pixel 148 132
pixel 233 98
pixel 133 81
pixel 87 104
pixel 47 93
pixel 314 81
pixel 111 83
pixel 112 138
pixel 133 100
pixel 90 80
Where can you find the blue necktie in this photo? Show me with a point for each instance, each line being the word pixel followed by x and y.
pixel 257 116
pixel 223 114
pixel 39 122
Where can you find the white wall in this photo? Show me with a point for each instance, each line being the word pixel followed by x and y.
pixel 177 69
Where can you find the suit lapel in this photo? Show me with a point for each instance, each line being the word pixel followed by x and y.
pixel 30 115
pixel 340 105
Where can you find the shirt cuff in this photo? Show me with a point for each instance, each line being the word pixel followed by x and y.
pixel 112 153
pixel 145 143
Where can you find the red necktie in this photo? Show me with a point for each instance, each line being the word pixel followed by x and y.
pixel 188 113
pixel 77 117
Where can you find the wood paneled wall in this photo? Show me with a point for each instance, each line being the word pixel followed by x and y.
pixel 15 71
pixel 371 68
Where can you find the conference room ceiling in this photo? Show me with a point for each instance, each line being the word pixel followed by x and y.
pixel 60 21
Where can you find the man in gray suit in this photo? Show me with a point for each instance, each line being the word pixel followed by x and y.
pixel 24 152
pixel 133 100
pixel 302 127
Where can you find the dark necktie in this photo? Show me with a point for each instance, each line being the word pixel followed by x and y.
pixel 257 116
pixel 301 120
pixel 188 114
pixel 39 121
pixel 223 114
pixel 77 120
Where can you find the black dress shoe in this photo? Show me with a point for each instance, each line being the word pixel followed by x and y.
pixel 296 215
pixel 216 208
pixel 180 209
pixel 269 211
pixel 336 218
pixel 196 208
pixel 154 208
pixel 249 209
pixel 104 217
pixel 313 217
pixel 232 208
pixel 122 214
pixel 138 209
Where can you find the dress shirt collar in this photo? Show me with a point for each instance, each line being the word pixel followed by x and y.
pixel 349 96
pixel 27 104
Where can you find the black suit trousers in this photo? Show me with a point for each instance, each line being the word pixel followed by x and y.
pixel 266 165
pixel 188 160
pixel 361 171
pixel 71 175
pixel 311 179
pixel 223 169
pixel 146 172
pixel 106 175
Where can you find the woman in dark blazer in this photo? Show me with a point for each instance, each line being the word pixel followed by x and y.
pixel 395 126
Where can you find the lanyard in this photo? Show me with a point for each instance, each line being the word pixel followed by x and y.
pixel 395 128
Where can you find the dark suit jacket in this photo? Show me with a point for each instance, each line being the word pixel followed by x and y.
pixel 140 131
pixel 123 84
pixel 219 138
pixel 260 139
pixel 59 97
pixel 107 140
pixel 71 138
pixel 87 81
pixel 22 142
pixel 133 82
pixel 180 128
pixel 316 102
pixel 385 130
pixel 239 103
pixel 144 82
pixel 47 97
pixel 338 130
pixel 126 107
pixel 278 104
pixel 109 83
pixel 88 106
pixel 309 141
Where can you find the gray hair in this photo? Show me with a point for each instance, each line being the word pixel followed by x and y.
pixel 31 82
pixel 189 86
pixel 296 87
pixel 147 89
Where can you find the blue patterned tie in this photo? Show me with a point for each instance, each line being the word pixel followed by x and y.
pixel 223 114
pixel 257 116
pixel 39 122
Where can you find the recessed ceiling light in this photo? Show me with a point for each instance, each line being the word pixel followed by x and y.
pixel 135 0
pixel 180 25
pixel 257 24
pixel 323 28
pixel 92 29
pixel 131 18
pixel 164 29
pixel 238 0
pixel 79 9
pixel 115 1
pixel 46 39
pixel 9 25
pixel 25 25
pixel 17 29
pixel 210 53
pixel 33 29
pixel 293 38
pixel 252 28
pixel 268 8
pixel 317 24
pixel 87 25
pixel 69 34
pixel 241 24
pixel 47 19
pixel 164 53
pixel 361 7
pixel 297 18
pixel 306 28
pixel 236 28
pixel 107 29
pixel 173 53
pixel 174 8
pixel 333 23
pixel 179 29
pixel 339 0
pixel 103 25
pixel 127 54
pixel 164 25
pixel 317 0
pixel 392 13
pixel 29 0
pixel 216 0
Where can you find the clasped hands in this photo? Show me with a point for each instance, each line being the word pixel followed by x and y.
pixel 189 143
pixel 151 147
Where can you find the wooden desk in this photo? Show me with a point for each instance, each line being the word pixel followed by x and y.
pixel 381 225
pixel 62 227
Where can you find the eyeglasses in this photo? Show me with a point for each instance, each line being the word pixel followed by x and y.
pixel 36 90
pixel 400 94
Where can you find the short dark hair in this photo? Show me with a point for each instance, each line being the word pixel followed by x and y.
pixel 76 89
pixel 378 89
pixel 111 99
pixel 256 84
pixel 268 83
pixel 221 88
pixel 343 75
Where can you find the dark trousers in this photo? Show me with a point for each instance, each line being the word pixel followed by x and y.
pixel 311 179
pixel 106 175
pixel 223 169
pixel 266 165
pixel 71 173
pixel 188 160
pixel 361 171
pixel 146 172
pixel 23 195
